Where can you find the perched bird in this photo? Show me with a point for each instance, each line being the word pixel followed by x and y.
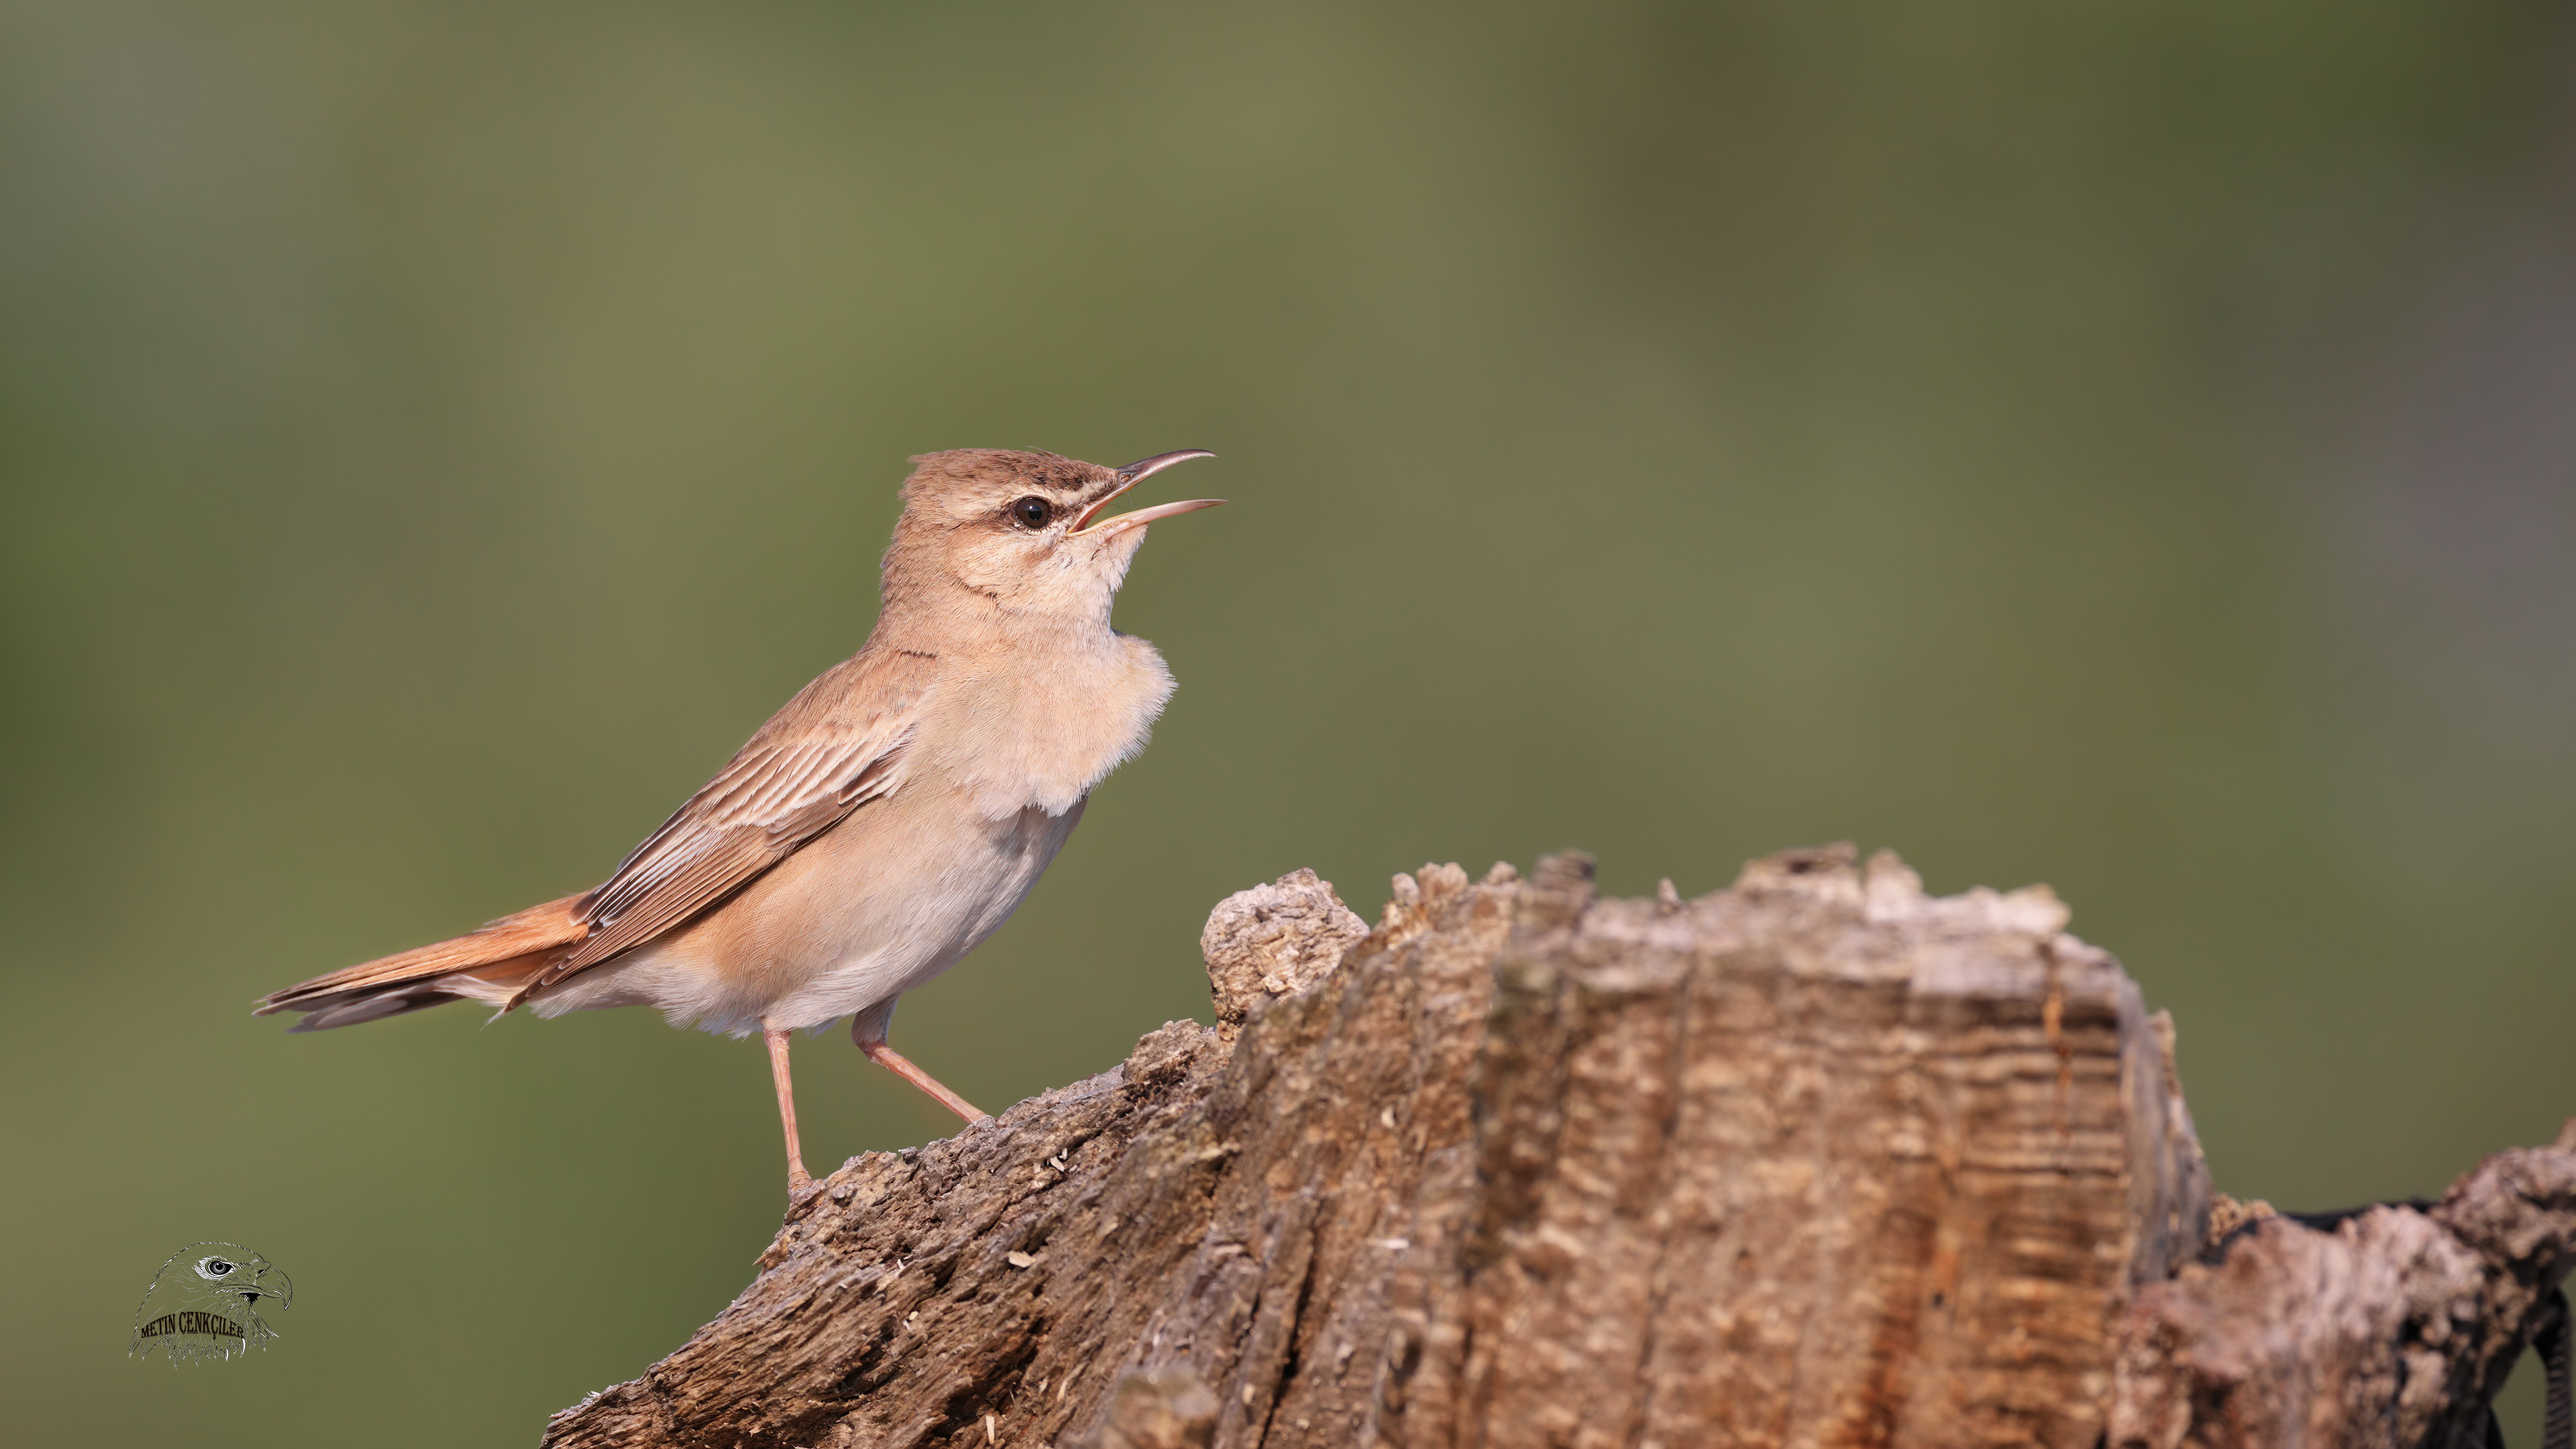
pixel 882 824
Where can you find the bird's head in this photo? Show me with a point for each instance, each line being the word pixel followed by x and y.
pixel 208 1302
pixel 1025 530
pixel 229 1273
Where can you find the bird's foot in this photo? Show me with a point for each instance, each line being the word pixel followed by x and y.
pixel 802 1189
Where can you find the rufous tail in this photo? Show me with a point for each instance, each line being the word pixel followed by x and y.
pixel 489 965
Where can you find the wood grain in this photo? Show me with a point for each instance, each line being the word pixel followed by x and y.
pixel 1818 1160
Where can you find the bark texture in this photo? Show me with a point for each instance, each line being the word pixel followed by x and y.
pixel 1816 1160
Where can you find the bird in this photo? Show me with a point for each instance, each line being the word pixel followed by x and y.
pixel 884 822
pixel 203 1305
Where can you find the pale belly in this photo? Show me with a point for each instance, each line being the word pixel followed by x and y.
pixel 881 903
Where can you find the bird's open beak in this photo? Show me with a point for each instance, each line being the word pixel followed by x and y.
pixel 1128 477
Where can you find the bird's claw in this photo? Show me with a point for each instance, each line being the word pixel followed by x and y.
pixel 801 1191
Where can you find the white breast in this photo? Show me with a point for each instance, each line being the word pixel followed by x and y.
pixel 1042 727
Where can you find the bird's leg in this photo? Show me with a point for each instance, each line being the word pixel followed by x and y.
pixel 869 1029
pixel 800 1183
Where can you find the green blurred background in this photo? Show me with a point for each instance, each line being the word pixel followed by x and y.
pixel 2131 447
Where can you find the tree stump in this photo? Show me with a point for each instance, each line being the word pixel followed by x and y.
pixel 1815 1160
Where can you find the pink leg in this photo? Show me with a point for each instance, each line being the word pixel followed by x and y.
pixel 800 1184
pixel 869 1028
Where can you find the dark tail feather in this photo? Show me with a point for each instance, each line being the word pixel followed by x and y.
pixel 361 1006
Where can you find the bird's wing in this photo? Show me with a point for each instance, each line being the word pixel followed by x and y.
pixel 836 746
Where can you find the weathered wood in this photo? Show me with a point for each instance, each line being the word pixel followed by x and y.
pixel 2394 1329
pixel 1817 1160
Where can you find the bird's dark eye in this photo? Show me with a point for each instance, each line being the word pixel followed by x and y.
pixel 1033 511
